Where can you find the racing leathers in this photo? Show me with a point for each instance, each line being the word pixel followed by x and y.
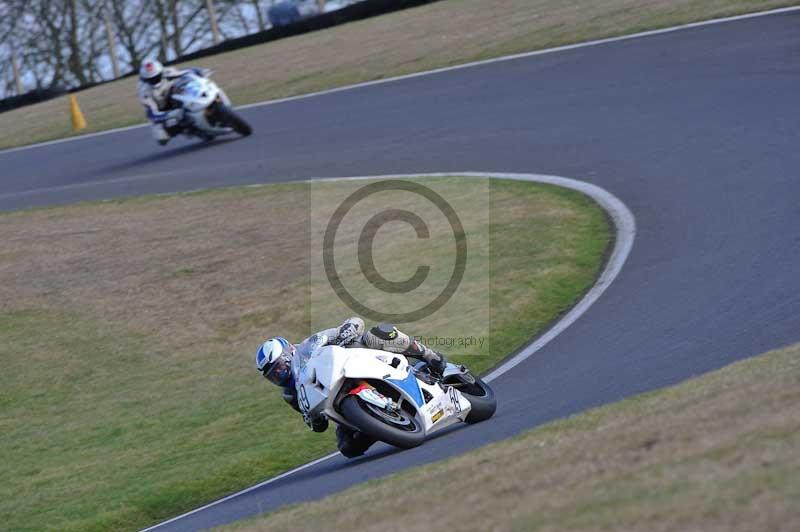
pixel 385 337
pixel 163 113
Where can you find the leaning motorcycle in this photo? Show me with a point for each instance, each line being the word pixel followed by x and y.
pixel 383 396
pixel 207 111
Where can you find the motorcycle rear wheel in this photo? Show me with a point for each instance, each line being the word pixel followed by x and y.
pixel 406 432
pixel 480 395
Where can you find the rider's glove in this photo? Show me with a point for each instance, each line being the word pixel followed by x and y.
pixel 347 334
pixel 318 423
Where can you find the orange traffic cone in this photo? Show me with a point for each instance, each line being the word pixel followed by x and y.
pixel 78 121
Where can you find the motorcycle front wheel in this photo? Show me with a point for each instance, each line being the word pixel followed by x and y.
pixel 400 429
pixel 231 118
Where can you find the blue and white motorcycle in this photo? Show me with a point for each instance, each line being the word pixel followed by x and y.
pixel 207 111
pixel 382 395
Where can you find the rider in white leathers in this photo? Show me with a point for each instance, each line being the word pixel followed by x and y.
pixel 274 361
pixel 155 83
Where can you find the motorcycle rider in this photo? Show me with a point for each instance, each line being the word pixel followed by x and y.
pixel 274 361
pixel 155 84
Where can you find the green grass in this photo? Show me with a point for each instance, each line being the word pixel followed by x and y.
pixel 717 452
pixel 127 333
pixel 444 33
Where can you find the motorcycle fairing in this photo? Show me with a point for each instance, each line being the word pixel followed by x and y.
pixel 410 386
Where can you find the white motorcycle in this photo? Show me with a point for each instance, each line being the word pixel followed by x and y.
pixel 207 109
pixel 380 394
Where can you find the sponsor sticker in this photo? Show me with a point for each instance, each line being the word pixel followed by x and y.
pixel 454 398
pixel 437 416
pixel 303 399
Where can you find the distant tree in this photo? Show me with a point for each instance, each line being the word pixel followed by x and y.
pixel 65 42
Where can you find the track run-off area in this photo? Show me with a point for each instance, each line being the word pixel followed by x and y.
pixel 696 131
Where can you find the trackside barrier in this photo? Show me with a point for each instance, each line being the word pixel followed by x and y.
pixel 351 13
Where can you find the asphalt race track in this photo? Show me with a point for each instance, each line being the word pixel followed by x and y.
pixel 697 131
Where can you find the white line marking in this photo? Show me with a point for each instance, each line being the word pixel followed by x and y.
pixel 131 179
pixel 70 139
pixel 622 217
pixel 445 69
pixel 624 224
pixel 251 488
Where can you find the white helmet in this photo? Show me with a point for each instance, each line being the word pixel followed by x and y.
pixel 274 360
pixel 151 72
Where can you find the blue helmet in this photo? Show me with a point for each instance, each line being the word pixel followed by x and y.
pixel 274 360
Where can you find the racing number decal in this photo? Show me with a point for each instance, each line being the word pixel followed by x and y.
pixel 454 399
pixel 303 398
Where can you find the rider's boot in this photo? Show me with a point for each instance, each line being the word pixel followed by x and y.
pixel 160 134
pixel 436 361
pixel 386 337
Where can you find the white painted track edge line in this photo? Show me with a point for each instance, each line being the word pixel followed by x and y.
pixel 70 139
pixel 523 55
pixel 624 225
pixel 242 492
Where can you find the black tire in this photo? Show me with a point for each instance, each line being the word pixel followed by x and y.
pixel 358 413
pixel 230 118
pixel 481 396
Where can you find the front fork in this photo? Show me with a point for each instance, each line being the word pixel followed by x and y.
pixel 367 392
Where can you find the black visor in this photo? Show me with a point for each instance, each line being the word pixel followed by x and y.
pixel 155 80
pixel 279 371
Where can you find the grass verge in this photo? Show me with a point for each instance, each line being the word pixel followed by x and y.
pixel 127 333
pixel 444 33
pixel 718 452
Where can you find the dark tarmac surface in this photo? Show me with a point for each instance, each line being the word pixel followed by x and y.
pixel 697 131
